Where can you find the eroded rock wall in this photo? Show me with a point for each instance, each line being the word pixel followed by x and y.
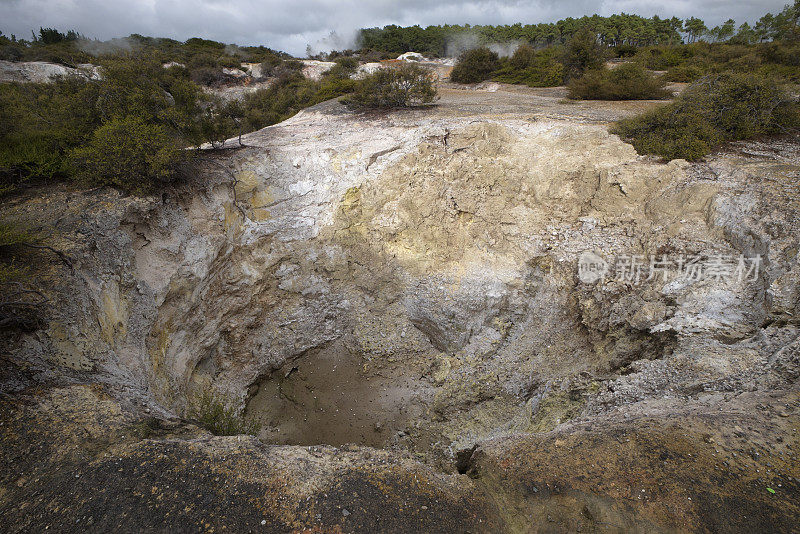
pixel 414 276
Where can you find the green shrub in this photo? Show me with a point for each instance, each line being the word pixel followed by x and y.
pixel 20 305
pixel 714 110
pixel 582 53
pixel 287 67
pixel 344 68
pixel 475 66
pixel 625 50
pixel 288 95
pixel 39 123
pixel 628 81
pixel 210 76
pixel 130 154
pixel 219 417
pixel 690 62
pixel 333 87
pixel 535 69
pixel 684 73
pixel 394 87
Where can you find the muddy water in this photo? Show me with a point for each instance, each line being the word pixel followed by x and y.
pixel 333 396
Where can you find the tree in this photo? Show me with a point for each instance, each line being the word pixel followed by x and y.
pixel 475 66
pixel 765 28
pixel 695 28
pixel 726 30
pixel 787 23
pixel 745 35
pixel 583 52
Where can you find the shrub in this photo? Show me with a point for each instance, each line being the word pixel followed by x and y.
pixel 219 417
pixel 714 110
pixel 344 68
pixel 475 66
pixel 39 123
pixel 625 50
pixel 628 81
pixel 684 73
pixel 332 87
pixel 269 64
pixel 20 305
pixel 210 76
pixel 287 67
pixel 582 53
pixel 535 69
pixel 66 129
pixel 130 154
pixel 395 87
pixel 288 95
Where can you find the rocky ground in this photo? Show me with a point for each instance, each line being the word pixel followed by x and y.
pixel 395 298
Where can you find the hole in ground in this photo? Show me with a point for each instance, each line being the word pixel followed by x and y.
pixel 334 396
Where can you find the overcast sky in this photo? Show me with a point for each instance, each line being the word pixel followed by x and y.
pixel 290 25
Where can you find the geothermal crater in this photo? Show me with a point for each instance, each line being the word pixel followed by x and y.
pixel 396 300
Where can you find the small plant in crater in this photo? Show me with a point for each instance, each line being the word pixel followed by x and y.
pixel 218 415
pixel 22 306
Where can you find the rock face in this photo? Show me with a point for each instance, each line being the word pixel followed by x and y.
pixel 411 281
pixel 314 69
pixel 42 71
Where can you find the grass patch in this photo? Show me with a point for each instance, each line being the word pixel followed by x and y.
pixel 220 417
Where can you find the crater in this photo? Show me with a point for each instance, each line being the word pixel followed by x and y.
pixel 334 395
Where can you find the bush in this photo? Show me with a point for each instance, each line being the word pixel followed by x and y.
pixel 582 53
pixel 130 154
pixel 333 87
pixel 684 73
pixel 344 68
pixel 625 50
pixel 210 76
pixel 714 110
pixel 535 69
pixel 288 95
pixel 628 81
pixel 475 66
pixel 39 123
pixel 686 63
pixel 20 305
pixel 394 87
pixel 287 67
pixel 219 417
pixel 66 129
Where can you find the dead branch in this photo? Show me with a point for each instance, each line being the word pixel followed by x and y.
pixel 63 257
pixel 234 183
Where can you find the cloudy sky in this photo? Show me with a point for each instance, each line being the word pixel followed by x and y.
pixel 292 24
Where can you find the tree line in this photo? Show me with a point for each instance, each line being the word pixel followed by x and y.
pixel 612 31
